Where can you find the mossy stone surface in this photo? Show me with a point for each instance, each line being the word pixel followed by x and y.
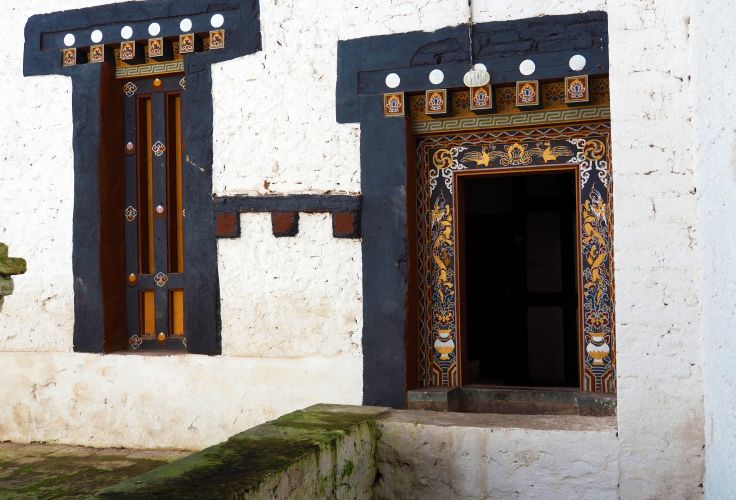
pixel 10 265
pixel 60 471
pixel 241 464
pixel 6 286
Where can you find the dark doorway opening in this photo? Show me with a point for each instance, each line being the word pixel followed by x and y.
pixel 519 294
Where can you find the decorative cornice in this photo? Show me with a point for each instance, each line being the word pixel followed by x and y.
pixel 45 33
pixel 550 41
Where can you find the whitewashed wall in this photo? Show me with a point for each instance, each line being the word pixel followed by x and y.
pixel 292 314
pixel 714 99
pixel 660 403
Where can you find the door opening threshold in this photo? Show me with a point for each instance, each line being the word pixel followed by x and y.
pixel 520 401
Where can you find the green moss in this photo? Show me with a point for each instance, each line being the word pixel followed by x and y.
pixel 67 476
pixel 348 470
pixel 10 265
pixel 245 461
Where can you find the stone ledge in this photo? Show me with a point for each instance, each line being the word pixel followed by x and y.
pixel 324 450
pixel 503 421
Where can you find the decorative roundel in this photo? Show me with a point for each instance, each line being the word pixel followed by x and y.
pixel 436 76
pixel 185 25
pixel 126 32
pixel 96 36
pixel 69 39
pixel 577 62
pixel 392 80
pixel 217 20
pixel 154 29
pixel 527 67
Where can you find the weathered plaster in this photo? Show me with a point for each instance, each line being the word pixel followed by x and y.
pixel 160 401
pixel 660 391
pixel 715 156
pixel 315 280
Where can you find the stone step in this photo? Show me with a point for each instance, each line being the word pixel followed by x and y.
pixel 503 400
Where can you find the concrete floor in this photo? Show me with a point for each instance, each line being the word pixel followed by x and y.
pixel 47 471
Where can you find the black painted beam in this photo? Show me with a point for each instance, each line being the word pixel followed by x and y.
pixel 288 203
pixel 385 254
pixel 503 70
pixel 88 334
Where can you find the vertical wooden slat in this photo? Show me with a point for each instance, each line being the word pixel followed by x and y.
pixel 145 186
pixel 158 127
pixel 175 201
pixel 179 188
pixel 131 200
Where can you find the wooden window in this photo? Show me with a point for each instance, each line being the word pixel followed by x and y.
pixel 155 216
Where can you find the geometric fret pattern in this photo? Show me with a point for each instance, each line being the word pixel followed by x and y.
pixel 149 69
pixel 508 120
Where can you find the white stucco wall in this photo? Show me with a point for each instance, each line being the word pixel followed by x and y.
pixel 432 455
pixel 660 393
pixel 715 134
pixel 291 309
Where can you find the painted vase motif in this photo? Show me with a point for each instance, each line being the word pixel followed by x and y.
pixel 444 344
pixel 597 348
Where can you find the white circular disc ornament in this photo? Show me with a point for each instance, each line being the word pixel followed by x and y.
pixel 436 76
pixel 69 39
pixel 126 32
pixel 96 36
pixel 217 20
pixel 154 29
pixel 392 80
pixel 527 67
pixel 577 62
pixel 185 25
pixel 476 77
